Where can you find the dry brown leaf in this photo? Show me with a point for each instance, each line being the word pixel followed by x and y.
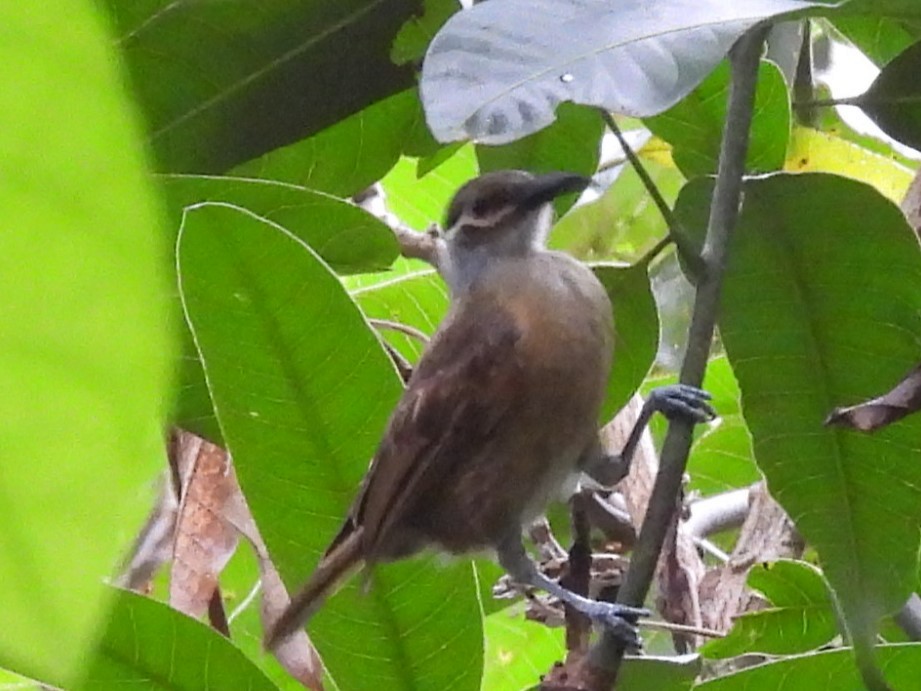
pixel 204 540
pixel 903 400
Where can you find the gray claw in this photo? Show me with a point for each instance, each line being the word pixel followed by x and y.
pixel 681 400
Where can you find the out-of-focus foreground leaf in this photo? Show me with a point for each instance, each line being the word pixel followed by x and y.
pixel 149 645
pixel 85 343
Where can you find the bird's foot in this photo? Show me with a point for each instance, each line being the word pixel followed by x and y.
pixel 681 400
pixel 618 619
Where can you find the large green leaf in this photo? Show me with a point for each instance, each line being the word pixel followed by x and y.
pixel 694 126
pixel 148 645
pixel 832 670
pixel 498 71
pixel 345 236
pixel 801 616
pixel 571 144
pixel 85 343
pixel 221 83
pixel 822 309
pixel 348 156
pixel 348 238
pixel 302 390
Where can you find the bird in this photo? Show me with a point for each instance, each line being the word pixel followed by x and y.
pixel 501 414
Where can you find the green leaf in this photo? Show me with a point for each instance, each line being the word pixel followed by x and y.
pixel 419 202
pixel 416 34
pixel 813 151
pixel 85 344
pixel 894 98
pixel 518 651
pixel 497 72
pixel 418 300
pixel 623 223
pixel 149 645
pixel 636 331
pixel 571 144
pixel 694 126
pixel 221 84
pixel 802 617
pixel 818 312
pixel 348 156
pixel 880 28
pixel 824 671
pixel 347 238
pixel 302 390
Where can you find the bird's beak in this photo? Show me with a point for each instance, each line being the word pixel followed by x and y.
pixel 545 188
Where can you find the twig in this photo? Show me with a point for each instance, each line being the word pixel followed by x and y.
pixel 427 246
pixel 606 655
pixel 404 329
pixel 680 628
pixel 674 228
pixel 717 513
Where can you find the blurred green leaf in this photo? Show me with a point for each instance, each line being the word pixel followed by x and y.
pixel 802 616
pixel 831 670
pixel 518 651
pixel 694 126
pixel 623 223
pixel 415 35
pixel 817 312
pixel 419 202
pixel 86 339
pixel 221 84
pixel 149 645
pixel 878 36
pixel 636 331
pixel 302 390
pixel 571 144
pixel 348 156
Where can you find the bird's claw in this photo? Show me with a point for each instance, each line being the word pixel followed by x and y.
pixel 619 620
pixel 681 400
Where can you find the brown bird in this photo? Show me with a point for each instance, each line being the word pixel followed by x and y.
pixel 501 413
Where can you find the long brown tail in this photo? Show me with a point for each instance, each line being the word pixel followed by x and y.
pixel 343 557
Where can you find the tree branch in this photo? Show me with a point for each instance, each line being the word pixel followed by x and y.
pixel 603 661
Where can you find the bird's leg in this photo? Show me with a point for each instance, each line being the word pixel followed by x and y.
pixel 677 400
pixel 619 619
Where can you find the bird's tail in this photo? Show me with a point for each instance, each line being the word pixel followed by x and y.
pixel 342 558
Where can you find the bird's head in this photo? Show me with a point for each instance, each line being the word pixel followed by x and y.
pixel 501 214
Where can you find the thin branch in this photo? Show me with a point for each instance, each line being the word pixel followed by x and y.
pixel 680 628
pixel 674 228
pixel 606 655
pixel 399 327
pixel 717 513
pixel 427 246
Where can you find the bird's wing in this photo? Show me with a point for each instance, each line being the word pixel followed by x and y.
pixel 467 381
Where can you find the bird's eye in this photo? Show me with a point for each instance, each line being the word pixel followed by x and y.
pixel 487 205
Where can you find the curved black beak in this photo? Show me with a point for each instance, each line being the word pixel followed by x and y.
pixel 545 188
